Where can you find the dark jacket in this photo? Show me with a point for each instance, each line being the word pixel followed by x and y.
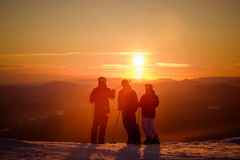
pixel 100 97
pixel 148 102
pixel 127 102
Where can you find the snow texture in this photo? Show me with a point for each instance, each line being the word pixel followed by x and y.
pixel 226 149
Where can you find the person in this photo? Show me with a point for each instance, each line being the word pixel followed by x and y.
pixel 148 103
pixel 100 98
pixel 128 104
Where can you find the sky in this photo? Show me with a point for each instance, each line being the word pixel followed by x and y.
pixel 49 39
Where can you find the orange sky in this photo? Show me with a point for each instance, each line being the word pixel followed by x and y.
pixel 91 38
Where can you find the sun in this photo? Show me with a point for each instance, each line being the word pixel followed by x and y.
pixel 138 60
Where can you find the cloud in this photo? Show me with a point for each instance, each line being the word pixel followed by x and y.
pixel 31 54
pixel 123 53
pixel 10 66
pixel 84 66
pixel 84 53
pixel 74 53
pixel 101 66
pixel 157 65
pixel 173 65
pixel 116 66
pixel 39 54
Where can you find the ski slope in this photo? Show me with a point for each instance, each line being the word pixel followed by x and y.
pixel 214 149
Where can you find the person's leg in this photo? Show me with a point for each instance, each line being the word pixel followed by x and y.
pixel 127 126
pixel 145 126
pixel 94 129
pixel 152 128
pixel 102 130
pixel 136 132
pixel 155 138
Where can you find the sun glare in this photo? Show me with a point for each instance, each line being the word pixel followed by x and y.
pixel 138 60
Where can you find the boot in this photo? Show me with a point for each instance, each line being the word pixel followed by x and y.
pixel 148 140
pixel 101 141
pixel 129 142
pixel 93 142
pixel 137 142
pixel 155 140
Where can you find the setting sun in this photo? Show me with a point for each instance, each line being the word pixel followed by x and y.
pixel 138 60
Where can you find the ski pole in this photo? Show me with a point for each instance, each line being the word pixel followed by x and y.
pixel 118 87
pixel 115 126
pixel 121 85
pixel 138 114
pixel 92 112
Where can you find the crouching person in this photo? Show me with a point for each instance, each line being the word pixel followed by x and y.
pixel 148 103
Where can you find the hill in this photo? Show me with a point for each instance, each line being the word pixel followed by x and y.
pixel 60 111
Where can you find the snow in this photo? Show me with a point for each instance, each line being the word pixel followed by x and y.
pixel 214 149
pixel 67 104
pixel 5 130
pixel 60 113
pixel 213 107
pixel 33 119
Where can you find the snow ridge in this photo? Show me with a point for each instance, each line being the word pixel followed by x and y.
pixel 225 149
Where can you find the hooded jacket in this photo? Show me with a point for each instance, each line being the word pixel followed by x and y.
pixel 100 97
pixel 127 101
pixel 148 102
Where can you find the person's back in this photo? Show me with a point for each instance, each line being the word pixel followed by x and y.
pixel 127 101
pixel 148 102
pixel 100 98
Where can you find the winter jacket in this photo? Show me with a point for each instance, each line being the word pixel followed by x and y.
pixel 127 102
pixel 148 102
pixel 100 97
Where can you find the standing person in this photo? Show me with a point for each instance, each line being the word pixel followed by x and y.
pixel 128 104
pixel 100 97
pixel 148 102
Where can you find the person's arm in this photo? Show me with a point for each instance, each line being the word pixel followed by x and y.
pixel 111 93
pixel 135 101
pixel 141 102
pixel 92 96
pixel 120 101
pixel 157 101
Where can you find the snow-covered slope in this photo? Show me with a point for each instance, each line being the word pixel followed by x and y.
pixel 215 149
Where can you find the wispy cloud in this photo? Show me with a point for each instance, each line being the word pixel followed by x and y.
pixel 157 65
pixel 116 66
pixel 101 66
pixel 85 53
pixel 178 65
pixel 39 54
pixel 30 54
pixel 73 53
pixel 122 53
pixel 10 66
pixel 84 66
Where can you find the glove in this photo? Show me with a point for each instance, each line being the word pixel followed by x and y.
pixel 113 90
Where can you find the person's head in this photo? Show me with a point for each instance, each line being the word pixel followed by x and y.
pixel 125 83
pixel 102 80
pixel 148 87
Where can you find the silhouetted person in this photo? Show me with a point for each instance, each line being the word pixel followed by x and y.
pixel 100 97
pixel 148 102
pixel 128 104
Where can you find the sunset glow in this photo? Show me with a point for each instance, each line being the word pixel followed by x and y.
pixel 166 39
pixel 138 60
